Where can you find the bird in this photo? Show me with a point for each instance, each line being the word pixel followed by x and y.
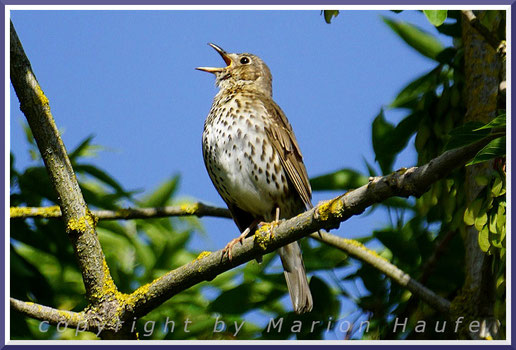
pixel 254 160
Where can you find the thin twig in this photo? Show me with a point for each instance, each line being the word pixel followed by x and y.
pixel 360 252
pixel 197 209
pixel 427 270
pixel 51 315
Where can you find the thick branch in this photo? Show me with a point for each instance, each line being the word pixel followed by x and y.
pixel 80 225
pixel 360 252
pixel 491 38
pixel 326 215
pixel 45 313
pixel 198 209
pixel 483 70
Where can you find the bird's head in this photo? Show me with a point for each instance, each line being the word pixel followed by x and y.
pixel 243 69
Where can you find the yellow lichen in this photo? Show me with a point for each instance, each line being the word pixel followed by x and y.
pixel 125 301
pixel 81 224
pixel 69 317
pixel 190 208
pixel 108 287
pixel 263 236
pixel 45 212
pixel 140 293
pixel 363 247
pixel 41 95
pixel 202 255
pixel 330 208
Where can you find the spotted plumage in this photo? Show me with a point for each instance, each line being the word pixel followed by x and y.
pixel 253 158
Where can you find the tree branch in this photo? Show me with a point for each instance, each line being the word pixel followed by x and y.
pixel 326 215
pixel 45 313
pixel 198 209
pixel 79 223
pixel 360 252
pixel 491 38
pixel 483 70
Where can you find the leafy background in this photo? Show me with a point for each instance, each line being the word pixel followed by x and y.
pixel 422 237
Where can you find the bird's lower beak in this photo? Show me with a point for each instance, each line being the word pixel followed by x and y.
pixel 224 56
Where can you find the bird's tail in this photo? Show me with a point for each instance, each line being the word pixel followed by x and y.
pixel 294 270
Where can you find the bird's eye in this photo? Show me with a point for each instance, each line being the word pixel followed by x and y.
pixel 244 60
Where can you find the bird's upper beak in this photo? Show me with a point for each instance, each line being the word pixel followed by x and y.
pixel 224 56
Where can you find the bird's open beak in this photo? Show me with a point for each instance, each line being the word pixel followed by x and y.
pixel 224 56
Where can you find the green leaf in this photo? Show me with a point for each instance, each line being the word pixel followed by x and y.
pixel 388 140
pixel 498 186
pixel 482 180
pixel 498 122
pixel 100 175
pixel 162 194
pixel 465 135
pixel 483 239
pixel 417 87
pixel 329 14
pixel 423 42
pixel 370 168
pixel 501 222
pixel 381 129
pixel 481 220
pixel 324 257
pixel 343 179
pixel 80 150
pixel 423 134
pixel 493 149
pixel 472 211
pixel 493 217
pixel 400 242
pixel 85 149
pixel 245 297
pixel 436 17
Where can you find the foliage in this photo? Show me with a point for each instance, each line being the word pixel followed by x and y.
pixel 424 238
pixel 436 17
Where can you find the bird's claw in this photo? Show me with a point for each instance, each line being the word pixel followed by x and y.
pixel 229 246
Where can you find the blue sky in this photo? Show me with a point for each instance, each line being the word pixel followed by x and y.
pixel 128 78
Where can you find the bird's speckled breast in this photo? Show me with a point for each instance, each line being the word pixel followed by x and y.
pixel 242 164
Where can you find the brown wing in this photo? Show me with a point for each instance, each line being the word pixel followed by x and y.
pixel 282 137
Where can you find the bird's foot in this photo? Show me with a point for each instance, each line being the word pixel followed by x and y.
pixel 272 227
pixel 227 249
pixel 275 223
pixel 239 239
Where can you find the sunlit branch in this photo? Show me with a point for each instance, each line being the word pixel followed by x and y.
pixel 359 251
pixel 196 209
pixel 327 215
pixel 45 313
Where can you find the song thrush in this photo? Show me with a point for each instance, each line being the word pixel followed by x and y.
pixel 254 161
